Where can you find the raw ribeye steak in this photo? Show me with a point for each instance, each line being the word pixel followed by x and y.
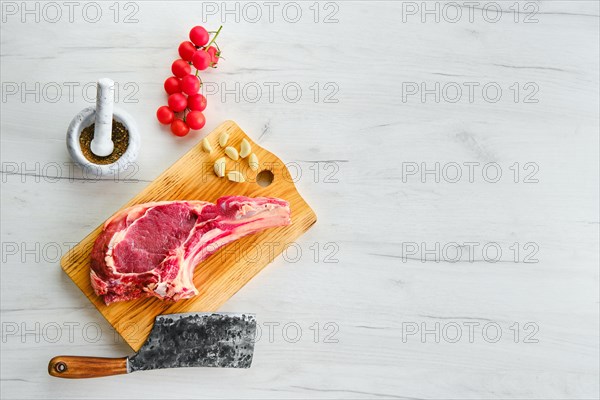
pixel 152 249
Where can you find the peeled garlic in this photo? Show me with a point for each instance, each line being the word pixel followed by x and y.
pixel 235 176
pixel 245 148
pixel 219 167
pixel 232 153
pixel 253 162
pixel 223 138
pixel 206 146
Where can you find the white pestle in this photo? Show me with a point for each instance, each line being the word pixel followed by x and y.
pixel 102 144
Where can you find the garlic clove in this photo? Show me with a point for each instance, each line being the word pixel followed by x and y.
pixel 223 138
pixel 206 146
pixel 235 176
pixel 245 148
pixel 232 153
pixel 253 162
pixel 219 167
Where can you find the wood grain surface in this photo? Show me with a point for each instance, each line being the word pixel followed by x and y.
pixel 225 272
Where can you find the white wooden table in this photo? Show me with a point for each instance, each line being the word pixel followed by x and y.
pixel 427 274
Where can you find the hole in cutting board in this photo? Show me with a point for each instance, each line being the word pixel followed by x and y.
pixel 264 178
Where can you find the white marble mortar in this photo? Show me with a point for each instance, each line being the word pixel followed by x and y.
pixel 86 118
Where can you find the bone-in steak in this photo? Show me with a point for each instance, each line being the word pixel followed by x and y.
pixel 152 249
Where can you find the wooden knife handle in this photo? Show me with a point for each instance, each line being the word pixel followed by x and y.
pixel 74 367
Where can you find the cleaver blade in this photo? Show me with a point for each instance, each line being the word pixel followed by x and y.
pixel 197 340
pixel 224 340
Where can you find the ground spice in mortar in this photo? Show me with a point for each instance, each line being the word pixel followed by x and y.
pixel 120 138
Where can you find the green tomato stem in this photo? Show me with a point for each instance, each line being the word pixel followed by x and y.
pixel 214 38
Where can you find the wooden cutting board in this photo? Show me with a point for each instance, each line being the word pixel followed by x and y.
pixel 224 273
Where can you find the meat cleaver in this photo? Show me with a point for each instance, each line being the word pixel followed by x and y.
pixel 223 340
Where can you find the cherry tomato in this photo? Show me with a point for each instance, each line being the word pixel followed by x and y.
pixel 199 36
pixel 190 84
pixel 172 85
pixel 201 60
pixel 180 68
pixel 165 115
pixel 187 50
pixel 177 102
pixel 179 128
pixel 213 53
pixel 195 119
pixel 197 102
